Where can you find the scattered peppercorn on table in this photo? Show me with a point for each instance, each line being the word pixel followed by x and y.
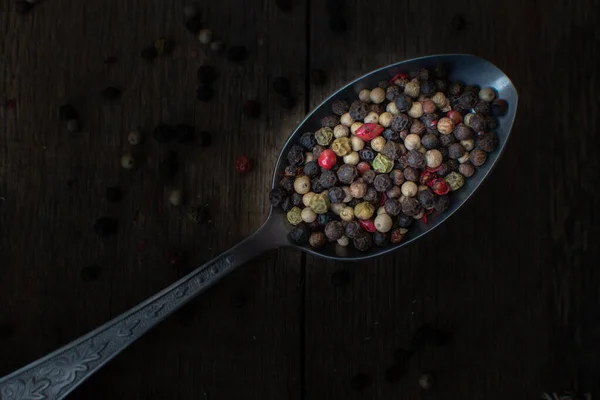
pixel 138 139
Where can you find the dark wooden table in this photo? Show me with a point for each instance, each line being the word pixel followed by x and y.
pixel 511 275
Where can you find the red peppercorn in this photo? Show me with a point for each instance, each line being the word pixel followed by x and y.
pixel 242 164
pixel 427 212
pixel 401 75
pixel 427 176
pixel 327 159
pixel 439 186
pixel 363 167
pixel 368 225
pixel 368 132
pixel 383 199
pixel 455 117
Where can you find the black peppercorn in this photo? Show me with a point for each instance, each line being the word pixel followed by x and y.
pixel 402 162
pixel 203 139
pixel 487 141
pixel 392 93
pixel 336 194
pixel 456 88
pixel 411 174
pixel 67 112
pixel 300 233
pixel 330 121
pixel 281 85
pixel 458 23
pixel 316 186
pixel 237 53
pixel 473 89
pixel 423 74
pixel 326 218
pixel 453 165
pixel 403 103
pixel 478 123
pixel 164 134
pixel 194 24
pixel 205 93
pixel 114 194
pixel 393 207
pixel 89 273
pixel 361 381
pixel 382 182
pixel 462 132
pixel 286 204
pixel 447 140
pixel 381 239
pixel 405 221
pixel 377 108
pixel 383 84
pixel 444 152
pixel 482 108
pixel 441 85
pixel 391 135
pixel 456 151
pixel 416 160
pixel 340 278
pixel 467 169
pixel 169 166
pixel 468 99
pixel 499 107
pixel 393 150
pixel 354 202
pixel 401 122
pixel 318 76
pixel 347 173
pixel 207 74
pixel 111 93
pixel 444 169
pixel 426 199
pixel 363 242
pixel 397 177
pixel 184 133
pixel 295 155
pixel 149 53
pixel 287 184
pixel 276 196
pixel 369 176
pixel 328 179
pixel 353 229
pixel 428 88
pixel 287 102
pixel 296 199
pixel 292 171
pixel 372 196
pixel 334 230
pixel 411 206
pixel 442 203
pixel 308 141
pixel 337 24
pixel 366 154
pixel 105 226
pixel 358 110
pixel 314 226
pixel 252 108
pixel 492 123
pixel 311 169
pixel 339 107
pixel 430 141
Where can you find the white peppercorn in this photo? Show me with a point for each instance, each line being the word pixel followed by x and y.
pixel 348 194
pixel 416 110
pixel 409 189
pixel 381 210
pixel 357 143
pixel 205 36
pixel 467 119
pixel 128 161
pixel 487 94
pixel 385 119
pixel 306 198
pixel 433 158
pixel 468 144
pixel 358 189
pixel 445 126
pixel 372 118
pixel 439 99
pixel 337 207
pixel 412 142
pixel 464 158
pixel 341 131
pixel 175 197
pixel 365 96
pixel 378 143
pixel 302 184
pixel 383 223
pixel 377 95
pixel 347 214
pixel 392 108
pixel 346 119
pixel 343 241
pixel 352 158
pixel 412 89
pixel 308 157
pixel 308 215
pixel 422 149
pixel 354 127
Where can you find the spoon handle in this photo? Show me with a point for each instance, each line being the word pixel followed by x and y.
pixel 54 376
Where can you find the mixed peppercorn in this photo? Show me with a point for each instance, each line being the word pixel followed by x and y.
pixel 389 158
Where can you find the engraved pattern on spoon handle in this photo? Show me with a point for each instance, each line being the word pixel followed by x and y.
pixel 56 375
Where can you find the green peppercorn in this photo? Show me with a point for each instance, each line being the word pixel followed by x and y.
pixel 341 146
pixel 455 180
pixel 383 164
pixel 324 136
pixel 294 216
pixel 320 203
pixel 364 210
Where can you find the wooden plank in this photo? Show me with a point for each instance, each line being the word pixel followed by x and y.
pixel 510 275
pixel 218 347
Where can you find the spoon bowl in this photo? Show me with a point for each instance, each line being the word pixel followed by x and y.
pixel 55 375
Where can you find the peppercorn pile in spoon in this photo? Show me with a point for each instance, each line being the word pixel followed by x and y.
pixel 390 157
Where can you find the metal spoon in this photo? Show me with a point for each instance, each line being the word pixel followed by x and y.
pixel 57 374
